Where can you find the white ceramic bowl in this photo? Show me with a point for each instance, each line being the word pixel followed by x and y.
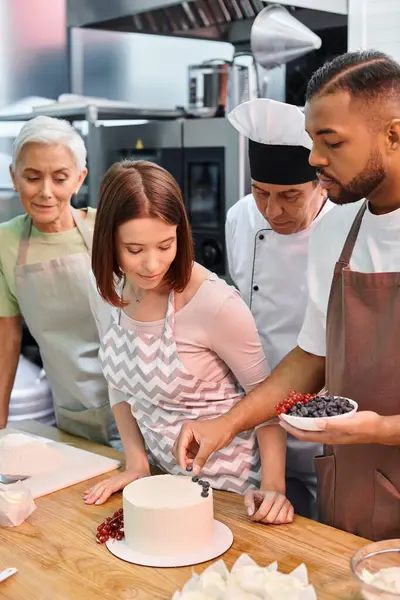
pixel 308 423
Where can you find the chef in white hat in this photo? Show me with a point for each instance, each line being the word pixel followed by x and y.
pixel 267 234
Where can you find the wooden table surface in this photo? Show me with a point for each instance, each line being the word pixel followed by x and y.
pixel 58 558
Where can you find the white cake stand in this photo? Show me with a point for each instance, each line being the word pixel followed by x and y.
pixel 221 542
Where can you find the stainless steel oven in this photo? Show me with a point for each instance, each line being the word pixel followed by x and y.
pixel 207 158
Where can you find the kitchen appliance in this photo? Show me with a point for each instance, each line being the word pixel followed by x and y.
pixel 207 157
pixel 91 22
pixel 278 37
pixel 217 86
pixel 224 20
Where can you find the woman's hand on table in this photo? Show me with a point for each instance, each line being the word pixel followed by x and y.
pixel 101 491
pixel 268 506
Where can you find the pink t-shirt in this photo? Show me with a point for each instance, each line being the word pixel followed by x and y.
pixel 215 333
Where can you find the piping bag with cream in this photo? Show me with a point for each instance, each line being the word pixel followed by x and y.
pixel 16 504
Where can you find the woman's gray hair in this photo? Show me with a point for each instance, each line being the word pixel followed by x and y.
pixel 50 131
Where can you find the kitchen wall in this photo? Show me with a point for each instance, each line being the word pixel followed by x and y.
pixel 375 24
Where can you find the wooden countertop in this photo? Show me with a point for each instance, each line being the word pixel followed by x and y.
pixel 58 558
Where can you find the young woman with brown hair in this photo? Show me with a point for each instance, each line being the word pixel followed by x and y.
pixel 178 343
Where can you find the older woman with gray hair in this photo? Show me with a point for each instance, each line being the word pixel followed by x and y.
pixel 44 267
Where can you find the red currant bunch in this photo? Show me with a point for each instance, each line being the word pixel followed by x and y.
pixel 292 398
pixel 112 527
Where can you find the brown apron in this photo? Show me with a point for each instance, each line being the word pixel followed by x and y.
pixel 359 485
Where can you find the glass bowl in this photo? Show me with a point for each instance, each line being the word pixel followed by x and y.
pixel 374 557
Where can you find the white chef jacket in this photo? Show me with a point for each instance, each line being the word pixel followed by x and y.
pixel 270 271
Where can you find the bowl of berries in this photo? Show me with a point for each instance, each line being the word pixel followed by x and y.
pixel 302 410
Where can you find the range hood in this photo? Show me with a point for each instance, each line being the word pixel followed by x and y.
pixel 222 20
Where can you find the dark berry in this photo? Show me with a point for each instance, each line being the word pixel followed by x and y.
pixel 195 479
pixel 200 482
pixel 204 493
pixel 189 468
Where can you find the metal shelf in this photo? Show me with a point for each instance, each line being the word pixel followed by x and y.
pixel 93 113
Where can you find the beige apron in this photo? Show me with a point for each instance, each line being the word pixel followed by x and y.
pixel 53 298
pixel 359 485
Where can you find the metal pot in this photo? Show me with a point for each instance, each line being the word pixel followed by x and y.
pixel 217 86
pixel 243 82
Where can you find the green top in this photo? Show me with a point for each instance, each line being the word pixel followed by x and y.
pixel 42 247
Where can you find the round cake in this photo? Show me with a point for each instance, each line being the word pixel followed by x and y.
pixel 168 515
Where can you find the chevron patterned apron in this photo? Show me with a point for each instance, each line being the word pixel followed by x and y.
pixel 163 396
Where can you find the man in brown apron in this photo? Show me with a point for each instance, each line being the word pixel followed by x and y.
pixel 353 116
pixel 359 483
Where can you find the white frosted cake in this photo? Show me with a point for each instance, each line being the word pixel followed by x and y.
pixel 22 454
pixel 168 515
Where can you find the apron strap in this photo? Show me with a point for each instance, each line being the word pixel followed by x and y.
pixel 24 241
pixel 169 320
pixel 82 228
pixel 349 244
pixel 26 233
pixel 117 310
pixel 170 316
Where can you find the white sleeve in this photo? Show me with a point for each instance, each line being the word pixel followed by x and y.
pixel 116 396
pixel 312 334
pixel 101 311
pixel 229 242
pixel 312 337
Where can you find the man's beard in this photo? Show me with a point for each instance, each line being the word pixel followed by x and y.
pixel 362 185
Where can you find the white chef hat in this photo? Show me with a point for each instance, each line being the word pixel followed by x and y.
pixel 279 146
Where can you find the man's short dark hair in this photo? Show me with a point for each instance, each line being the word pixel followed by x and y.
pixel 367 75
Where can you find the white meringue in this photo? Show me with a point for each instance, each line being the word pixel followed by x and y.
pixel 247 581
